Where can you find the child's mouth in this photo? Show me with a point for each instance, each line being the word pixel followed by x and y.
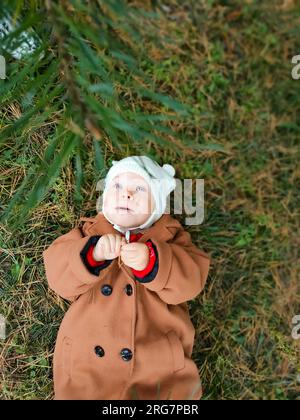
pixel 126 209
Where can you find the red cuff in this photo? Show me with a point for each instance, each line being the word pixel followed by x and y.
pixel 90 259
pixel 152 259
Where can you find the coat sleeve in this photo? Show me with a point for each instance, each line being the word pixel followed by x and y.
pixel 182 269
pixel 66 271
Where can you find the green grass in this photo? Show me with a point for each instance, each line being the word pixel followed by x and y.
pixel 231 61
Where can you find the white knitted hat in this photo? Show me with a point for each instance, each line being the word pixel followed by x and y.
pixel 160 179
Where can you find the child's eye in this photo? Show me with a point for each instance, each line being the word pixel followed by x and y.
pixel 139 188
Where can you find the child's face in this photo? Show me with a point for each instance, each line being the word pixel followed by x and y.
pixel 128 200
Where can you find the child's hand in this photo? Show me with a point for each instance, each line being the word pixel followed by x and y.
pixel 135 255
pixel 108 247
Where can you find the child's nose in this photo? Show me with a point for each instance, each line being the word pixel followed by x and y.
pixel 128 194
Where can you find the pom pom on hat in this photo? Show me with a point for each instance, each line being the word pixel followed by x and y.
pixel 169 169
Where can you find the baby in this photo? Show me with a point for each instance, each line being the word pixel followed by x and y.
pixel 129 273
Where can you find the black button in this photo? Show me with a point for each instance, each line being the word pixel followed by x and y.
pixel 126 354
pixel 128 289
pixel 106 290
pixel 99 351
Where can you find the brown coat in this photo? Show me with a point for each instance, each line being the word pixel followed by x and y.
pixel 153 321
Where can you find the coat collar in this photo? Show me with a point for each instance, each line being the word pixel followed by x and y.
pixel 163 229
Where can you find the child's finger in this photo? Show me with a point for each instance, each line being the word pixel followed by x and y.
pixel 125 254
pixel 129 251
pixel 118 244
pixel 111 239
pixel 130 247
pixel 129 258
pixel 106 246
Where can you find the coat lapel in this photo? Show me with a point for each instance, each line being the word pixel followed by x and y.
pixel 163 229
